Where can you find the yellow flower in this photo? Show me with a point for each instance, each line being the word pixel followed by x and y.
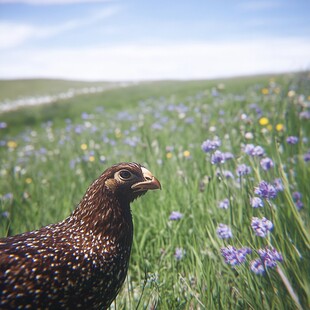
pixel 264 121
pixel 91 158
pixel 12 144
pixel 186 154
pixel 269 127
pixel 118 133
pixel 265 91
pixel 279 127
pixel 84 146
pixel 169 155
pixel 28 180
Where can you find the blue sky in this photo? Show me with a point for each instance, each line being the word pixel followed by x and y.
pixel 137 40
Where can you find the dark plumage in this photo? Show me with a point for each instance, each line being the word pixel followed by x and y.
pixel 82 261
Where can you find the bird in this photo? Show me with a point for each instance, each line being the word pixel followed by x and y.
pixel 82 261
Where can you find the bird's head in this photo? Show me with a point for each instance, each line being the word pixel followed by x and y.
pixel 129 181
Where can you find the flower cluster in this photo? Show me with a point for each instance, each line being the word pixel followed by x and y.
pixel 223 231
pixel 243 170
pixel 253 150
pixel 268 259
pixel 217 157
pixel 228 174
pixel 210 145
pixel 266 190
pixel 261 227
pixel 256 202
pixel 292 140
pixel 297 199
pixel 278 184
pixel 266 163
pixel 307 156
pixel 233 256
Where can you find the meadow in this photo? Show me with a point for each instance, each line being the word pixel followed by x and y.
pixel 230 228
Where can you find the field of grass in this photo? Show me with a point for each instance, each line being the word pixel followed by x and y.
pixel 212 144
pixel 14 89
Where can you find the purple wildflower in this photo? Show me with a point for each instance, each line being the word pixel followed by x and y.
pixel 257 109
pixel 210 145
pixel 157 126
pixel 74 162
pixel 278 185
pixel 261 227
pixel 299 204
pixel 266 190
pixel 5 214
pixel 78 129
pixel 297 199
pixel 257 266
pixel 224 204
pixel 307 156
pixel 88 155
pixel 243 170
pixel 85 116
pixel 296 196
pixel 266 163
pixel 248 149
pixel 179 253
pixel 42 151
pixel 175 215
pixel 292 140
pixel 270 256
pixel 252 150
pixel 256 202
pixel 228 174
pixel 304 115
pixel 3 125
pixel 258 151
pixel 228 156
pixel 217 158
pixel 268 259
pixel 233 256
pixel 223 231
pixel 7 196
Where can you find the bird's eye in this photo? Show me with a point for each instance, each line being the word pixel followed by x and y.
pixel 125 174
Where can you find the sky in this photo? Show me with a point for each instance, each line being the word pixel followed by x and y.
pixel 132 40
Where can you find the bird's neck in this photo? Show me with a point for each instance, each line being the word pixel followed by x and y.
pixel 104 217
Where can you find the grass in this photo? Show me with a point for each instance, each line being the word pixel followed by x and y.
pixel 15 89
pixel 47 164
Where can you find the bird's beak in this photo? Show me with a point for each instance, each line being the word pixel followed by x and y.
pixel 150 182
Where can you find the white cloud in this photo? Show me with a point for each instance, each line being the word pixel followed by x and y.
pixel 15 34
pixel 168 61
pixel 49 2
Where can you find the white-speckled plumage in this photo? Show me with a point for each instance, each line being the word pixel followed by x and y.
pixel 82 261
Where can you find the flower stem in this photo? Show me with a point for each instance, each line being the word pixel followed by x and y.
pixel 289 288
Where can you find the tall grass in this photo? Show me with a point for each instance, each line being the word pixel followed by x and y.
pixel 178 264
